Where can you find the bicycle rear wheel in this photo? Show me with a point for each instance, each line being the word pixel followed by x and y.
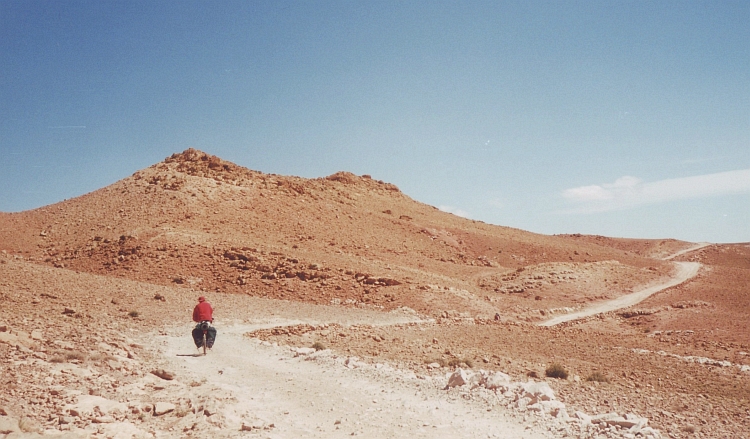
pixel 204 342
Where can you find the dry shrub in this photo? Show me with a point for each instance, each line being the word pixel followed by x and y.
pixel 318 346
pixel 457 362
pixel 556 370
pixel 689 429
pixel 598 377
pixel 97 356
pixel 72 355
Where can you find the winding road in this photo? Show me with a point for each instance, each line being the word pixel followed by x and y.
pixel 685 271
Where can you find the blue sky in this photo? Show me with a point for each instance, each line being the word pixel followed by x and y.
pixel 619 118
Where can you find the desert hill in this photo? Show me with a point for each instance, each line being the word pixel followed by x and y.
pixel 93 286
pixel 199 221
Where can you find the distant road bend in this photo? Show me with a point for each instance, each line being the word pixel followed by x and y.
pixel 685 271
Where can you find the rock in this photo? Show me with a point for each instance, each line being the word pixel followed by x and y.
pixel 163 374
pixel 87 403
pixel 604 417
pixel 298 352
pixel 624 422
pixel 457 378
pixel 161 408
pixel 548 407
pixel 28 425
pixel 8 425
pixel 497 380
pixel 538 391
pixel 433 366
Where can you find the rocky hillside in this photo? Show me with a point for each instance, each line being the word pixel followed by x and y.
pixel 201 222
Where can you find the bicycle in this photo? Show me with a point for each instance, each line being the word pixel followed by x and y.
pixel 204 335
pixel 204 325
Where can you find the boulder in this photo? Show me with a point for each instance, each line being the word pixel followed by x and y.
pixel 497 380
pixel 538 391
pixel 457 378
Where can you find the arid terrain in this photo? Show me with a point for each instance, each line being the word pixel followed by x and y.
pixel 396 295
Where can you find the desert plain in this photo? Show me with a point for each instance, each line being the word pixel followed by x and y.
pixel 346 308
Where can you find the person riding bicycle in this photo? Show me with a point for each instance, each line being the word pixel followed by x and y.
pixel 203 313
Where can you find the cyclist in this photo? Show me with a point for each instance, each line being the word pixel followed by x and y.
pixel 203 312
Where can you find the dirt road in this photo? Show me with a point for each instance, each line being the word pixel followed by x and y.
pixel 321 395
pixel 685 271
pixel 688 250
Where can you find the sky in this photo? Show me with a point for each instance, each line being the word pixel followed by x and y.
pixel 617 118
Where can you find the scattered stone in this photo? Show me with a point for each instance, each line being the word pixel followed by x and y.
pixel 162 408
pixel 163 374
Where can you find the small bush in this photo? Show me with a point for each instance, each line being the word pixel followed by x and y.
pixel 456 362
pixel 134 314
pixel 598 377
pixel 57 359
pixel 72 355
pixel 556 371
pixel 318 346
pixel 97 356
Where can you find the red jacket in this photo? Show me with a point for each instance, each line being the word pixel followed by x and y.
pixel 203 311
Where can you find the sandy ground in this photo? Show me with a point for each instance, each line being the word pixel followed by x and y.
pixel 324 398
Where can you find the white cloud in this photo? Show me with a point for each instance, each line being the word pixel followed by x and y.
pixel 455 211
pixel 627 192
